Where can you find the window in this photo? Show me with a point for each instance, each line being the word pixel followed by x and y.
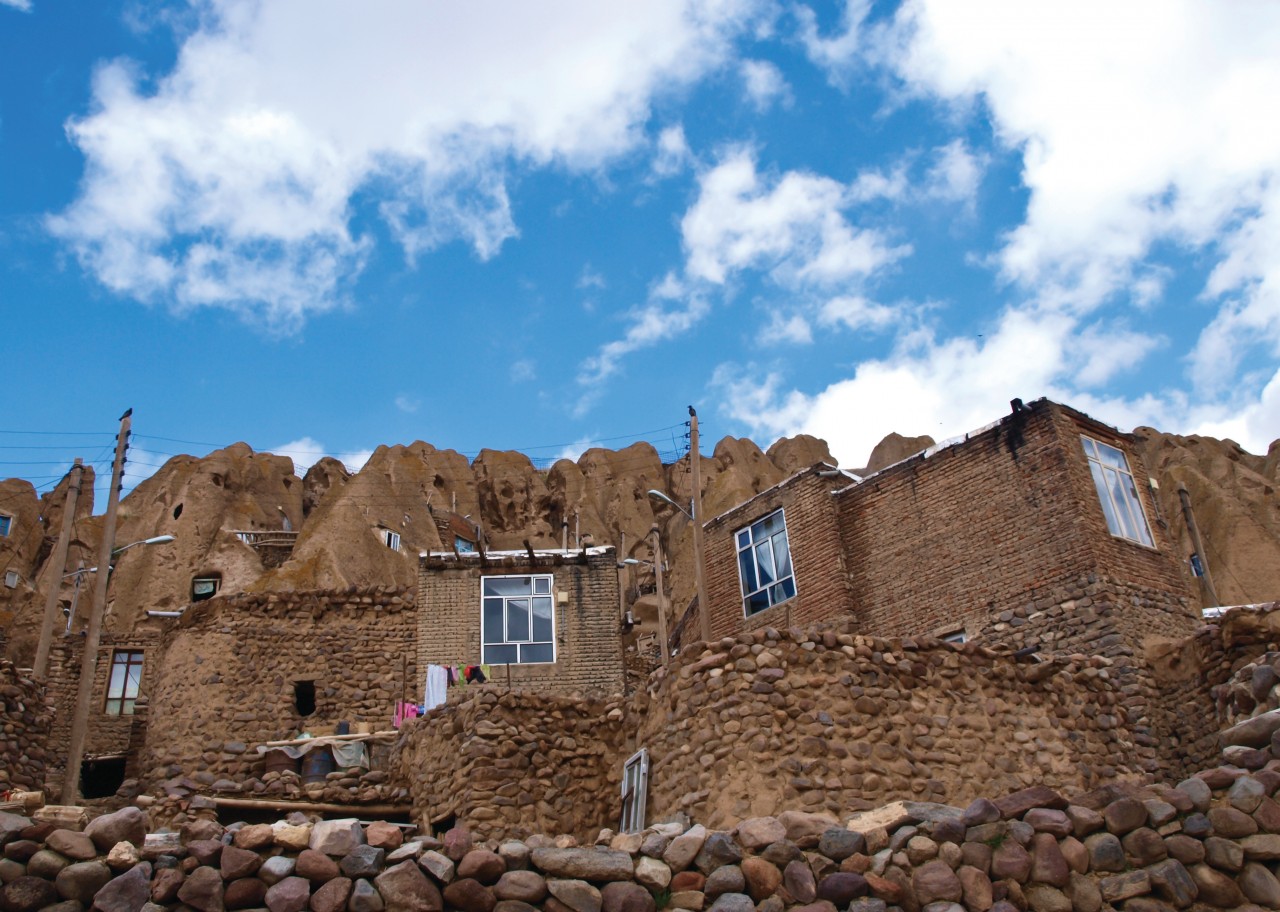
pixel 391 539
pixel 955 636
pixel 517 620
pixel 764 564
pixel 463 546
pixel 6 523
pixel 205 587
pixel 122 685
pixel 1117 493
pixel 11 579
pixel 635 786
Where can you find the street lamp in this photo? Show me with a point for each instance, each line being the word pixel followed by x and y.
pixel 81 571
pixel 658 495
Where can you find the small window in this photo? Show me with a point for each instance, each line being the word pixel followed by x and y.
pixel 517 620
pixel 764 564
pixel 635 787
pixel 391 539
pixel 463 545
pixel 304 697
pixel 205 587
pixel 955 636
pixel 1117 493
pixel 11 579
pixel 122 685
pixel 6 523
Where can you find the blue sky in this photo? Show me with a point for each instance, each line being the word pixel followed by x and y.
pixel 319 227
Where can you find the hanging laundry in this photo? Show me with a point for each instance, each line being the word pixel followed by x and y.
pixel 437 684
pixel 475 675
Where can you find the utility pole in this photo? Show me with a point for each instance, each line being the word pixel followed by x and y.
pixel 59 565
pixel 663 642
pixel 1194 531
pixel 93 635
pixel 704 609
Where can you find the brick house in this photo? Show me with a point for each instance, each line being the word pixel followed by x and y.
pixel 546 619
pixel 1043 508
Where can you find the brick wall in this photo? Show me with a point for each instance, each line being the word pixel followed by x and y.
pixel 817 557
pixel 587 622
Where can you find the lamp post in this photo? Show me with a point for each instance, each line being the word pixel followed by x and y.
pixel 79 572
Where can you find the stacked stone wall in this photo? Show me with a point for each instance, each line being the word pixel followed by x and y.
pixel 515 762
pixel 587 622
pixel 226 681
pixel 25 720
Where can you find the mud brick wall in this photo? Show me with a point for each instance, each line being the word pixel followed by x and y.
pixel 516 763
pixel 989 524
pixel 25 720
pixel 226 682
pixel 108 734
pixel 817 557
pixel 587 626
pixel 827 720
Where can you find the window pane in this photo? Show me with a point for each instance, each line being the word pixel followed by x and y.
pixel 757 602
pixel 126 708
pixel 493 629
pixel 517 620
pixel 1090 449
pixel 782 554
pixel 1116 484
pixel 500 655
pixel 767 526
pixel 788 587
pixel 542 585
pixel 507 585
pixel 115 687
pixel 537 652
pixel 764 563
pixel 1110 456
pixel 744 538
pixel 131 680
pixel 1100 482
pixel 747 570
pixel 542 619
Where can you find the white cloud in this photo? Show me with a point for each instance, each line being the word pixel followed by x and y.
pixel 673 154
pixel 24 5
pixel 835 53
pixel 523 370
pixel 956 173
pixel 407 404
pixel 856 312
pixel 573 451
pixel 792 227
pixel 764 84
pixel 590 278
pixel 793 329
pixel 229 183
pixel 306 452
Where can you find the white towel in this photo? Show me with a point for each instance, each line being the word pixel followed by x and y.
pixel 437 685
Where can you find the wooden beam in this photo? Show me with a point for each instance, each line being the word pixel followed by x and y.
pixel 247 804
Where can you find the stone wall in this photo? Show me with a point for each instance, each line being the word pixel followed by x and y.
pixel 824 720
pixel 587 617
pixel 226 680
pixel 25 719
pixel 515 762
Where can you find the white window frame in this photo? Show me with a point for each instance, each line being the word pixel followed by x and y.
pixel 955 637
pixel 122 687
pixel 11 579
pixel 197 580
pixel 7 519
pixel 747 548
pixel 1117 494
pixel 635 791
pixel 391 539
pixel 536 582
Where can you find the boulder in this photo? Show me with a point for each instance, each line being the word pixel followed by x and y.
pixel 621 896
pixel 684 848
pixel 521 886
pixel 724 879
pixel 383 835
pixel 934 881
pixel 762 877
pixel 365 898
pixel 165 885
pixel 246 893
pixel 315 866
pixel 129 824
pixel 76 846
pixel 27 894
pixel 842 888
pixel 404 888
pixel 237 863
pixel 293 894
pixel 203 890
pixel 362 861
pixel 437 865
pixel 599 865
pixel 467 894
pixel 254 837
pixel 82 880
pixel 482 865
pixel 805 829
pixel 332 896
pixel 277 868
pixel 755 833
pixel 457 843
pixel 577 895
pixel 837 843
pixel 336 837
pixel 718 850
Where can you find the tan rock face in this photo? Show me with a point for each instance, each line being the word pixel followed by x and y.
pixel 1236 505
pixel 895 448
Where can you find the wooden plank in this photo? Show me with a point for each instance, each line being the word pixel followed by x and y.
pixel 317 806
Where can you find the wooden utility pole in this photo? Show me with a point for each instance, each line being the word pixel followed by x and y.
pixel 663 642
pixel 59 564
pixel 93 635
pixel 1194 531
pixel 699 556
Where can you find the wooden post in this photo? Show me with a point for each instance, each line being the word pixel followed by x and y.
pixel 93 635
pixel 59 564
pixel 699 556
pixel 664 642
pixel 1194 531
